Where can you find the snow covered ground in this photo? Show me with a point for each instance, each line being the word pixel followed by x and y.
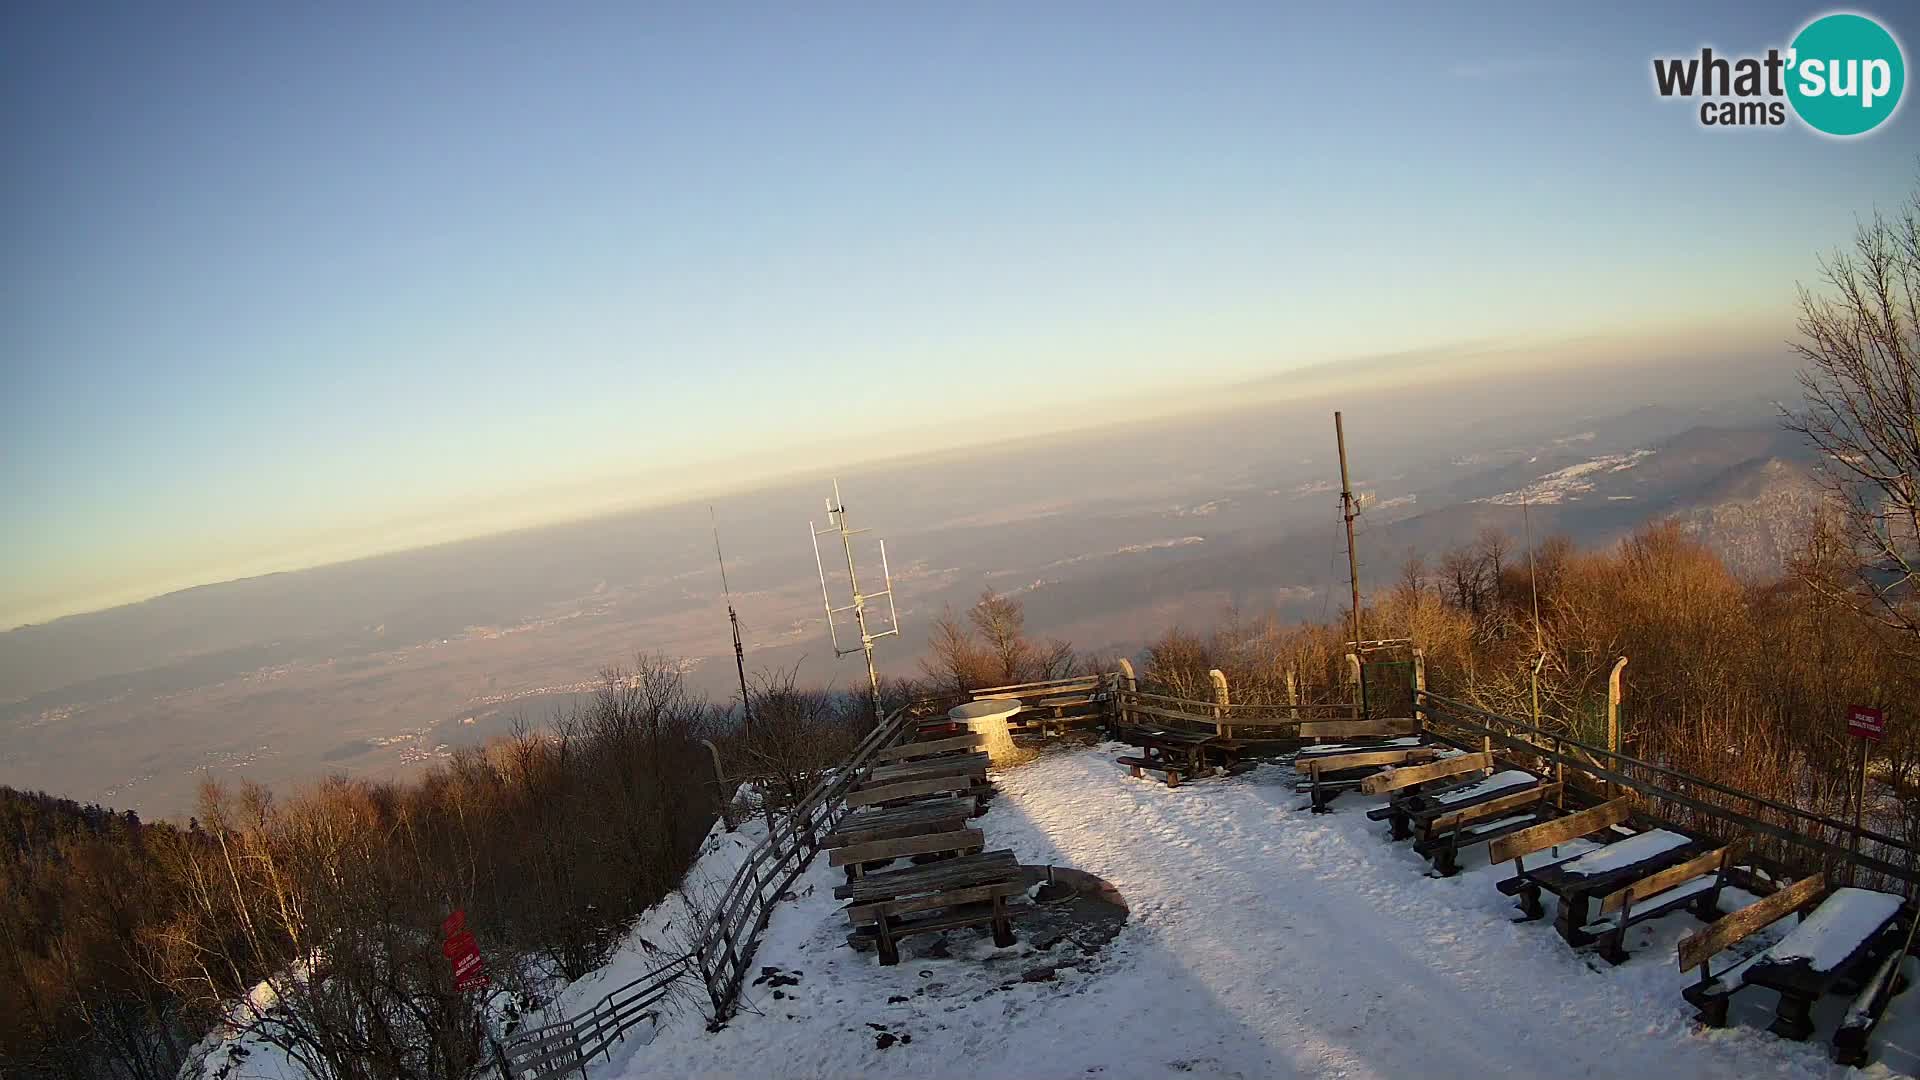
pixel 1264 941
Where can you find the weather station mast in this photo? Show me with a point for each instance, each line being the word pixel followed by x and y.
pixel 837 522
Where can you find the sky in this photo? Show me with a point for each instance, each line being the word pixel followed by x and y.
pixel 282 285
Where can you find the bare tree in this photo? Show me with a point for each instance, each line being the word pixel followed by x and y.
pixel 1860 340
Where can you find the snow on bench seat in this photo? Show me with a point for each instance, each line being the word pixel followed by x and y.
pixel 1624 853
pixel 1510 779
pixel 1835 930
pixel 1661 902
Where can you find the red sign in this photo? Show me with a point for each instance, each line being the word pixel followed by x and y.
pixel 463 952
pixel 1865 723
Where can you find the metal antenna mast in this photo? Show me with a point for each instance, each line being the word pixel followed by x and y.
pixel 837 522
pixel 1348 512
pixel 739 650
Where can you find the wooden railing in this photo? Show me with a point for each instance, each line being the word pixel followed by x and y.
pixel 727 935
pixel 1789 841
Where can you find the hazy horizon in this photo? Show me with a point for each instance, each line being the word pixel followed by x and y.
pixel 292 287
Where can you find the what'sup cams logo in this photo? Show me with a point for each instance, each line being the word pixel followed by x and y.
pixel 1842 75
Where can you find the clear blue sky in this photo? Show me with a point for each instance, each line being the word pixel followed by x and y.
pixel 283 284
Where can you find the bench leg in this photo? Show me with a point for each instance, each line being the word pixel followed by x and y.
pixel 1321 796
pixel 1135 769
pixel 1793 1019
pixel 1402 826
pixel 1446 860
pixel 1173 778
pixel 1530 908
pixel 1613 946
pixel 889 949
pixel 1572 916
pixel 1713 1012
pixel 1002 925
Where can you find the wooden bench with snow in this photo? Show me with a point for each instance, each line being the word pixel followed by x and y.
pixel 1852 941
pixel 1172 753
pixel 1362 748
pixel 1407 785
pixel 1694 885
pixel 1443 823
pixel 1623 857
pixel 973 890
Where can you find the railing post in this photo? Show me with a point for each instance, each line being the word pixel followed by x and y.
pixel 1129 686
pixel 1353 677
pixel 1220 703
pixel 1614 694
pixel 1419 689
pixel 720 786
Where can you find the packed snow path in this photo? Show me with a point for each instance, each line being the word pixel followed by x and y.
pixel 1264 942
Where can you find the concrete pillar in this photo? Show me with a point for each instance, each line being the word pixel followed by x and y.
pixel 989 717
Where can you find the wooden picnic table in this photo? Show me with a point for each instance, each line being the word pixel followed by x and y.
pixel 893 823
pixel 965 891
pixel 1178 752
pixel 1577 881
pixel 1848 932
pixel 1411 813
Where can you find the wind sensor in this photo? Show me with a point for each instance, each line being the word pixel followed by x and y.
pixel 837 522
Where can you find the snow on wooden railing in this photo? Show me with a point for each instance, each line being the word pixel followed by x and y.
pixel 729 932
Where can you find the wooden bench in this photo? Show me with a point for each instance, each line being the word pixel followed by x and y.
pixel 1176 753
pixel 1170 771
pixel 1330 773
pixel 1359 729
pixel 1848 935
pixel 970 890
pixel 1694 885
pixel 1576 881
pixel 871 794
pixel 858 857
pixel 888 823
pixel 926 748
pixel 974 765
pixel 1398 778
pixel 1440 823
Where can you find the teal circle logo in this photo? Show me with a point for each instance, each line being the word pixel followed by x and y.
pixel 1845 74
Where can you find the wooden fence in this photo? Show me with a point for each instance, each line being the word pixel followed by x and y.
pixel 727 935
pixel 1789 842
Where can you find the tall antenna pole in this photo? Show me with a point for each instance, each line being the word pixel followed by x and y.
pixel 837 522
pixel 739 650
pixel 1348 512
pixel 1533 583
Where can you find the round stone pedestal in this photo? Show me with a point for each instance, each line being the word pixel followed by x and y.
pixel 989 718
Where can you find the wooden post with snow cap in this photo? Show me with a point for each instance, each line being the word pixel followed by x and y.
pixel 1220 703
pixel 1128 687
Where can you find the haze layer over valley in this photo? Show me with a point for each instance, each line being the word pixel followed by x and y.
pixel 1109 536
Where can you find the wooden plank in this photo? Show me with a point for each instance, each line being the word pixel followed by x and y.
pixel 1355 729
pixel 1492 808
pixel 861 913
pixel 1171 714
pixel 1698 948
pixel 1381 783
pixel 1652 884
pixel 940 766
pixel 938 785
pixel 929 844
pixel 933 877
pixel 1336 762
pixel 1559 830
pixel 929 748
pixel 885 823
